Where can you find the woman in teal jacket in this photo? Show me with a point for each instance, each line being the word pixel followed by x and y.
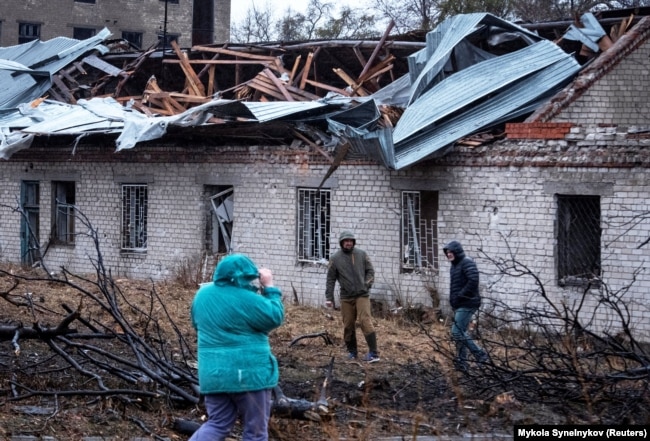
pixel 237 370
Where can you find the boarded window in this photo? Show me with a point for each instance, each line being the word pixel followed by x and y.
pixel 419 230
pixel 313 225
pixel 63 200
pixel 134 217
pixel 578 239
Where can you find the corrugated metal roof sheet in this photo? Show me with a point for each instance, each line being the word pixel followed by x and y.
pixel 502 106
pixel 474 84
pixel 29 75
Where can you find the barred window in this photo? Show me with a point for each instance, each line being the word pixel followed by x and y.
pixel 134 217
pixel 578 239
pixel 313 225
pixel 63 200
pixel 419 230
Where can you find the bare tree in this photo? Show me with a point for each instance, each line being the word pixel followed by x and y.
pixel 256 26
pixel 107 346
pixel 410 14
pixel 321 20
pixel 557 351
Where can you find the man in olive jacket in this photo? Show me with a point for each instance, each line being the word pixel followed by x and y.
pixel 465 299
pixel 351 267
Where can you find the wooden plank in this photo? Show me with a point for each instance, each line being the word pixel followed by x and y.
pixel 380 44
pixel 359 55
pixel 211 81
pixel 350 82
pixel 277 83
pixel 56 79
pixel 306 69
pixel 264 88
pixel 328 87
pixel 194 82
pixel 376 68
pixel 312 144
pixel 211 62
pixel 234 53
pixel 152 88
pixel 295 69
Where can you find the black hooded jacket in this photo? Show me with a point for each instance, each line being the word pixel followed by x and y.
pixel 463 279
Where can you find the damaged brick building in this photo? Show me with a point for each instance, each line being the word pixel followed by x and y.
pixel 521 150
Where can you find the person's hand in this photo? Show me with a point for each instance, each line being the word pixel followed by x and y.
pixel 266 277
pixel 329 304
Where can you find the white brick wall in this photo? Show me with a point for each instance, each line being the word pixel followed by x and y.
pixel 480 206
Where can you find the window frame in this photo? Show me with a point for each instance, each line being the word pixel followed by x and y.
pixel 26 37
pixel 419 240
pixel 140 36
pixel 134 218
pixel 91 31
pixel 313 230
pixel 578 234
pixel 63 212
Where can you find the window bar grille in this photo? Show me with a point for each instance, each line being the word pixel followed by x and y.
pixel 134 217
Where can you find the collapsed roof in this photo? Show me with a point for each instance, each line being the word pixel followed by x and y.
pixel 410 101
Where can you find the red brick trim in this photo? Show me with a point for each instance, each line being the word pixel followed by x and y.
pixel 538 130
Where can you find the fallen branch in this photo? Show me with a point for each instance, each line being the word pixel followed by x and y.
pixel 326 337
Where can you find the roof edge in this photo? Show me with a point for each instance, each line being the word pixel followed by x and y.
pixel 628 43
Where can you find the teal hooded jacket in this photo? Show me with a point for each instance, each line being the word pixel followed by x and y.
pixel 232 321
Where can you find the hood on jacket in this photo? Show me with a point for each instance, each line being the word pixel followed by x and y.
pixel 455 247
pixel 346 235
pixel 236 270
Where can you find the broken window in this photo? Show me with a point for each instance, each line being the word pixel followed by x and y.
pixel 82 33
pixel 220 219
pixel 28 32
pixel 167 40
pixel 135 38
pixel 419 230
pixel 30 222
pixel 313 225
pixel 63 200
pixel 134 217
pixel 578 239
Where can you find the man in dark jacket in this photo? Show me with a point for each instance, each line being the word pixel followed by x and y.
pixel 351 267
pixel 465 300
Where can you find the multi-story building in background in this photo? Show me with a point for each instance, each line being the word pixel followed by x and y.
pixel 142 22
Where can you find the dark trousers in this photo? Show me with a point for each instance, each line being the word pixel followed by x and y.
pixel 254 409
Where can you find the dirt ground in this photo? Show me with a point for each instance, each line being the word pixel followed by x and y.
pixel 411 392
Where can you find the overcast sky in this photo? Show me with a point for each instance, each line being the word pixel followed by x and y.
pixel 238 8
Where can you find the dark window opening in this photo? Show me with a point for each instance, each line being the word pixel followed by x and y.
pixel 83 33
pixel 134 38
pixel 28 32
pixel 167 40
pixel 220 219
pixel 30 222
pixel 63 195
pixel 578 240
